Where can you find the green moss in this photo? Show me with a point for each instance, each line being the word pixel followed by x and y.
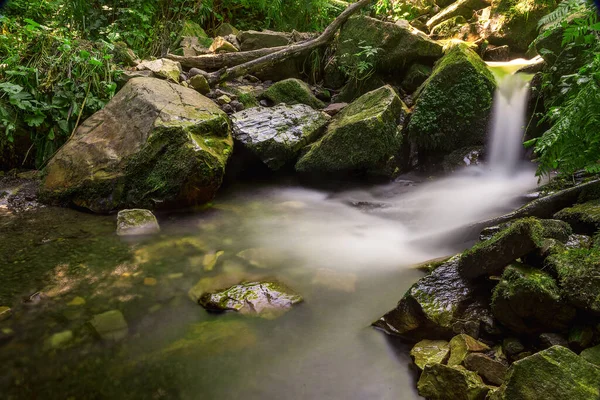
pixel 449 28
pixel 585 218
pixel 361 137
pixel 292 91
pixel 193 29
pixel 454 104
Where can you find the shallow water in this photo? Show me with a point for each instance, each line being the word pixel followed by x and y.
pixel 348 252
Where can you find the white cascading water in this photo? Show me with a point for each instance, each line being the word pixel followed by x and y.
pixel 326 229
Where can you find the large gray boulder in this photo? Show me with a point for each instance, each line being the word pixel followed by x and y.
pixel 155 144
pixel 362 137
pixel 277 134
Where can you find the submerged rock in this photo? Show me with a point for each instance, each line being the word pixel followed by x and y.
pixel 277 134
pixel 453 106
pixel 430 352
pixel 441 382
pixel 441 305
pixel 265 299
pixel 155 144
pixel 110 325
pixel 58 340
pixel 136 222
pixel 553 374
pixel 292 91
pixel 362 137
pixel 528 300
pixel 399 45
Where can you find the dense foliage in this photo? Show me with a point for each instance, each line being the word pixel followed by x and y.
pixel 573 141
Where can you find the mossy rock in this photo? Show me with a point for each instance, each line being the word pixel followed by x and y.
pixel 515 22
pixel 553 374
pixel 462 8
pixel 528 300
pixel 292 91
pixel 592 355
pixel 453 105
pixel 450 28
pixel 277 134
pixel 461 346
pixel 362 137
pixel 577 271
pixel 155 144
pixel 254 40
pixel 399 45
pixel 226 29
pixel 440 305
pixel 584 218
pixel 110 325
pixel 516 240
pixel 442 382
pixel 162 68
pixel 430 352
pixel 192 29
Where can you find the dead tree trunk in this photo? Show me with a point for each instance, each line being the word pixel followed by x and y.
pixel 233 65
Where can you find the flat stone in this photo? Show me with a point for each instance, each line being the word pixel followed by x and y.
pixel 430 352
pixel 110 325
pixel 163 68
pixel 491 370
pixel 334 108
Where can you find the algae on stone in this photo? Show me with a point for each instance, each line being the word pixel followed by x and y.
pixel 453 106
pixel 429 352
pixel 584 218
pixel 362 137
pixel 292 91
pixel 441 382
pixel 110 325
pixel 461 346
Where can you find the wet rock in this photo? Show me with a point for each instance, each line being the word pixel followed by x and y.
pixel 580 337
pixel 441 305
pixel 577 271
pixel 548 340
pixel 399 45
pixel 254 40
pixel 430 352
pixel 163 68
pixel 155 144
pixel 362 137
pixel 220 45
pixel 460 78
pixel 110 325
pixel 334 108
pixel 512 346
pixel 462 158
pixel 223 99
pixel 497 53
pixel 553 374
pixel 518 239
pixel 584 218
pixel 454 28
pixel 491 370
pixel 292 91
pixel 210 260
pixel 592 355
pixel 265 299
pixel 58 340
pixel 578 242
pixel 461 346
pixel 5 313
pixel 441 382
pixel 277 134
pixel 136 222
pixel 214 283
pixel 200 83
pixel 528 300
pixel 416 75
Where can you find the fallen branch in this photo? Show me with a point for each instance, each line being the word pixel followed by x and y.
pixel 213 62
pixel 278 55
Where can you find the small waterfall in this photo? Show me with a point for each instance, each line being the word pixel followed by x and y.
pixel 505 144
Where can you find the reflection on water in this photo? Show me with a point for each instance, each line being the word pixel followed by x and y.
pixel 346 252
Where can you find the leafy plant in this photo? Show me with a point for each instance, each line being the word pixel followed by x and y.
pixel 360 66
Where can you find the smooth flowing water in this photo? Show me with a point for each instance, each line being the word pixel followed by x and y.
pixel 348 252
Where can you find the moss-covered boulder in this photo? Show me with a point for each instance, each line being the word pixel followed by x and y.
pixel 254 40
pixel 430 352
pixel 441 305
pixel 362 137
pixel 399 44
pixel 584 218
pixel 592 355
pixel 155 144
pixel 192 29
pixel 292 91
pixel 516 240
pixel 277 134
pixel 265 299
pixel 415 76
pixel 441 382
pixel 578 273
pixel 515 22
pixel 136 222
pixel 454 104
pixel 553 374
pixel 528 300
